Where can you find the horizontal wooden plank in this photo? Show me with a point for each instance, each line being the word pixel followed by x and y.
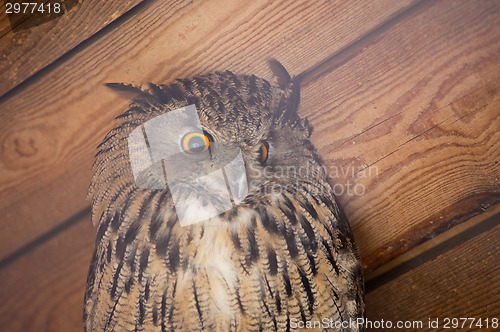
pixel 462 282
pixel 25 52
pixel 408 126
pixel 44 289
pixel 49 130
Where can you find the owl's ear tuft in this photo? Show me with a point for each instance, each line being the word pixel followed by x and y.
pixel 282 76
pixel 126 91
pixel 291 86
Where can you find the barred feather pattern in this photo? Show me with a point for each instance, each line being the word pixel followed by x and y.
pixel 277 257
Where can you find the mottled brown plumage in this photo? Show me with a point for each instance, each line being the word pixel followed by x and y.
pixel 284 254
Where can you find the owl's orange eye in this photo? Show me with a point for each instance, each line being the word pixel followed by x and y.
pixel 195 142
pixel 263 151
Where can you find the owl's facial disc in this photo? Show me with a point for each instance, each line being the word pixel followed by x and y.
pixel 174 153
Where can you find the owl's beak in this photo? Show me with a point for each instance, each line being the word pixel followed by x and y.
pixel 210 194
pixel 236 178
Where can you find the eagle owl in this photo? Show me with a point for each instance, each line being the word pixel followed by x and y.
pixel 214 213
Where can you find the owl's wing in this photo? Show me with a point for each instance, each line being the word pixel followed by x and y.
pixel 302 264
pixel 129 266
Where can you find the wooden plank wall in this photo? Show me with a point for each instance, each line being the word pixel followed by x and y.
pixel 404 97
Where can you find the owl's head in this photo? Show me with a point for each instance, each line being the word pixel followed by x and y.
pixel 220 137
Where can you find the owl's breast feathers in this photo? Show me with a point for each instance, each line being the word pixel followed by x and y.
pixel 261 266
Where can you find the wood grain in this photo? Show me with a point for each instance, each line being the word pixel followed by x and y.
pixel 43 290
pixel 412 120
pixel 49 130
pixel 463 282
pixel 26 52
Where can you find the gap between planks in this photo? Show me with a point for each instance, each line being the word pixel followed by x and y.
pixel 432 248
pixel 352 50
pixel 46 237
pixel 59 61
